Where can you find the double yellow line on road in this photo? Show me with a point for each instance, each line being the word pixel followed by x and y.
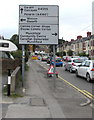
pixel 84 92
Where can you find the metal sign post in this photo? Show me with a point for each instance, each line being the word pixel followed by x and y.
pixel 54 67
pixel 23 64
pixel 38 24
pixel 9 83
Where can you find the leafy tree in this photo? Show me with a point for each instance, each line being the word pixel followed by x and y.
pixel 15 40
pixel 70 52
pixel 83 54
pixel 64 53
pixel 18 54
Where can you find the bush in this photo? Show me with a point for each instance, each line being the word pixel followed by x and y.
pixel 59 54
pixel 18 54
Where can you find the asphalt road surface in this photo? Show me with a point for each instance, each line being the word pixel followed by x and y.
pixel 79 82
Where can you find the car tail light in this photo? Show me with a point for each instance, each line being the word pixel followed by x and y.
pixel 92 69
pixel 78 58
pixel 73 64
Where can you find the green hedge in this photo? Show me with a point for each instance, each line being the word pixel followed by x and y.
pixel 18 54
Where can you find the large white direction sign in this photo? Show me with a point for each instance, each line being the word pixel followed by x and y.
pixel 38 24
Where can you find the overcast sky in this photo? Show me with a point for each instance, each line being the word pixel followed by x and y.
pixel 75 16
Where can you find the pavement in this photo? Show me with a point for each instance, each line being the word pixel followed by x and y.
pixel 45 98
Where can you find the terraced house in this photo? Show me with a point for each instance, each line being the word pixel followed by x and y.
pixel 80 45
pixel 92 47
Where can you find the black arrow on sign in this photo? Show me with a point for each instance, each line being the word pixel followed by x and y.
pixel 21 10
pixel 23 20
pixel 54 34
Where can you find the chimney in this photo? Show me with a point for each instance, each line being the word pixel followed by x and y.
pixel 88 34
pixel 72 40
pixel 79 37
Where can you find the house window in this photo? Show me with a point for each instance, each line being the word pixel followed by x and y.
pixel 93 43
pixel 93 52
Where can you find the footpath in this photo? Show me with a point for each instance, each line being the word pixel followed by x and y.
pixel 41 100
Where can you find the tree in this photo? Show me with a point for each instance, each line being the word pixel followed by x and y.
pixel 18 54
pixel 70 52
pixel 64 53
pixel 15 40
pixel 83 54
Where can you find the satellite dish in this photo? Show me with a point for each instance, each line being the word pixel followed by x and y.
pixel 6 45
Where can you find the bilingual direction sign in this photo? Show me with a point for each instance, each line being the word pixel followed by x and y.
pixel 38 24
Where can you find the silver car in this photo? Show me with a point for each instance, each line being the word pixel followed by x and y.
pixel 86 70
pixel 72 64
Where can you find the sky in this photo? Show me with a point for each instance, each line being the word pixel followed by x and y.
pixel 75 16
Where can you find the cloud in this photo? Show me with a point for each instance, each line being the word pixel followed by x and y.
pixel 74 15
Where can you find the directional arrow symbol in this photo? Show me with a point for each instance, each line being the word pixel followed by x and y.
pixel 54 34
pixel 21 10
pixel 23 20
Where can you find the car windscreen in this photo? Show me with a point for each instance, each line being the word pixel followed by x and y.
pixel 78 60
pixel 0 54
pixel 58 60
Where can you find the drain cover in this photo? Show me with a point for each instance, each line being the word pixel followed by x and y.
pixel 37 102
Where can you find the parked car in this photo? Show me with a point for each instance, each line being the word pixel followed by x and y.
pixel 86 70
pixel 75 56
pixel 66 58
pixel 44 58
pixel 58 62
pixel 6 55
pixel 34 57
pixel 48 59
pixel 72 64
pixel 85 58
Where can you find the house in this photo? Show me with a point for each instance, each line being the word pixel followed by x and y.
pixel 80 45
pixel 91 52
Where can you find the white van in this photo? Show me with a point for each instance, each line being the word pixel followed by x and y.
pixel 6 47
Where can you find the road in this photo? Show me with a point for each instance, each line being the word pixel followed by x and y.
pixel 63 101
pixel 78 82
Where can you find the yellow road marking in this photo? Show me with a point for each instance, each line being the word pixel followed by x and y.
pixel 84 92
pixel 88 93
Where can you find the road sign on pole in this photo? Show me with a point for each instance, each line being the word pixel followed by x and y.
pixel 38 24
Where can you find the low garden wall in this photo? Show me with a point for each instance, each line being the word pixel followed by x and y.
pixel 11 64
pixel 15 79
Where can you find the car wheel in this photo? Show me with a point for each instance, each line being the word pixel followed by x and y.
pixel 76 73
pixel 70 70
pixel 88 77
pixel 61 65
pixel 47 75
pixel 65 69
pixel 57 75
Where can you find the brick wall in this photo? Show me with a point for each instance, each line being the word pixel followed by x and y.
pixel 9 64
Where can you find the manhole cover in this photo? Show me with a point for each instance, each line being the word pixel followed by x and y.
pixel 37 102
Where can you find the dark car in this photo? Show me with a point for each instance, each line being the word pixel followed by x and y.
pixel 48 60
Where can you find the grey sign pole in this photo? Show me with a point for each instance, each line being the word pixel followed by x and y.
pixel 54 67
pixel 23 64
